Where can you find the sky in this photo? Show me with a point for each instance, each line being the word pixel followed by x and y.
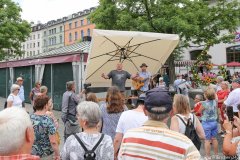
pixel 46 10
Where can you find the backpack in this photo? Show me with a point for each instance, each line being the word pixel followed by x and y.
pixel 89 154
pixel 191 133
pixel 182 87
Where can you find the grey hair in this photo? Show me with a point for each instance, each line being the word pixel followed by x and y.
pixel 13 124
pixel 220 78
pixel 90 112
pixel 14 87
pixel 69 85
pixel 43 89
pixel 199 96
pixel 157 116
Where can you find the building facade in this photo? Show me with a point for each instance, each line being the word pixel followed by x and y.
pixel 53 34
pixel 33 45
pixel 78 26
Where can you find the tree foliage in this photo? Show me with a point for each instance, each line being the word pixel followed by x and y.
pixel 199 23
pixel 13 30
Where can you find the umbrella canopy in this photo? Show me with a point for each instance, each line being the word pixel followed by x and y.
pixel 233 64
pixel 130 48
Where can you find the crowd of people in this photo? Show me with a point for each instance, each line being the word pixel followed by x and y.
pixel 157 127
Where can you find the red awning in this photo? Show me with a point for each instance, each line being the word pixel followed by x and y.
pixel 44 60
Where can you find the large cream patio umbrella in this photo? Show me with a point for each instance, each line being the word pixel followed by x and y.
pixel 110 47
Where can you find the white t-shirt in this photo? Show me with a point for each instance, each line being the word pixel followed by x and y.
pixel 182 126
pixel 17 102
pixel 130 119
pixel 233 99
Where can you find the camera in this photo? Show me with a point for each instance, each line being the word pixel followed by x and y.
pixel 86 85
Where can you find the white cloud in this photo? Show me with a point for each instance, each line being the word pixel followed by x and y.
pixel 46 10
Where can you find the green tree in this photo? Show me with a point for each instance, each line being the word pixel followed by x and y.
pixel 197 22
pixel 13 30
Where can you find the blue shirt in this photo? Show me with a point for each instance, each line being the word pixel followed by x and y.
pixel 146 76
pixel 210 110
pixel 21 93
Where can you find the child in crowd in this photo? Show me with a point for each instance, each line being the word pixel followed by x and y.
pixel 198 98
pixel 56 122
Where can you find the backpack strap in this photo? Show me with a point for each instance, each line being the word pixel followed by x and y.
pixel 181 120
pixel 99 141
pixel 80 142
pixel 84 147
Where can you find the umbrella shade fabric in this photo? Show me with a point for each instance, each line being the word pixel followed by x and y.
pixel 130 48
pixel 233 64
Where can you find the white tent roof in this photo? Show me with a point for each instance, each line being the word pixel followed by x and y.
pixel 132 48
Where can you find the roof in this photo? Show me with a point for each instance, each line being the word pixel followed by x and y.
pixel 82 47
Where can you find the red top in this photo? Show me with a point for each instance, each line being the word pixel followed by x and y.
pixel 221 95
pixel 196 109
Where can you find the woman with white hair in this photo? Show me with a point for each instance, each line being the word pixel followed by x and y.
pixel 161 83
pixel 89 116
pixel 13 99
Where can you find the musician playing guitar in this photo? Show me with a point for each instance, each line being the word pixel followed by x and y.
pixel 143 79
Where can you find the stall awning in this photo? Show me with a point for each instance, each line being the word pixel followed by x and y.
pixel 60 55
pixel 186 63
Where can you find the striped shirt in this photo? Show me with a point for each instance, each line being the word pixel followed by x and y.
pixel 155 141
pixel 20 157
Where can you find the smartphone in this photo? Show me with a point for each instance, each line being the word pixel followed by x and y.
pixel 230 113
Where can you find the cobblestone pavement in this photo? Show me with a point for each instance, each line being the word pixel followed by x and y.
pixel 61 128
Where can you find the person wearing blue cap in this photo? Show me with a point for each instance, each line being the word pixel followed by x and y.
pixel 154 140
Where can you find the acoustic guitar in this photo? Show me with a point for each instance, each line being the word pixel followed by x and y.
pixel 137 83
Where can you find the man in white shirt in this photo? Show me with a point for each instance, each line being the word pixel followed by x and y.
pixel 234 96
pixel 128 120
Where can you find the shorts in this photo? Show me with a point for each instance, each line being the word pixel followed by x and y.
pixel 210 128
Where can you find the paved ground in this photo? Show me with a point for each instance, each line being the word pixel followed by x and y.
pixel 61 127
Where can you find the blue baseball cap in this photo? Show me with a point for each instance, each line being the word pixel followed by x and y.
pixel 158 97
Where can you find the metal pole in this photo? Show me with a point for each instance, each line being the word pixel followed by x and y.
pixel 52 82
pixel 81 63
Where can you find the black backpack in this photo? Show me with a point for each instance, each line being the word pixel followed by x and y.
pixel 191 133
pixel 89 155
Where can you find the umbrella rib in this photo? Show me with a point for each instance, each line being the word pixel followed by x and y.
pixel 142 56
pixel 146 42
pixel 132 63
pixel 108 53
pixel 113 42
pixel 101 66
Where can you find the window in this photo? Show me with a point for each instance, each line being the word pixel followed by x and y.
pixel 38 51
pixel 61 28
pixel 49 42
pixel 34 53
pixel 55 30
pixel 30 37
pixel 88 21
pixel 70 25
pixel 76 24
pixel 38 36
pixel 33 45
pixel 45 43
pixel 233 54
pixel 30 53
pixel 30 45
pixel 27 46
pixel 82 34
pixel 88 32
pixel 82 22
pixel 194 54
pixel 45 33
pixel 76 36
pixel 38 44
pixel 50 32
pixel 60 39
pixel 33 36
pixel 23 47
pixel 70 37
